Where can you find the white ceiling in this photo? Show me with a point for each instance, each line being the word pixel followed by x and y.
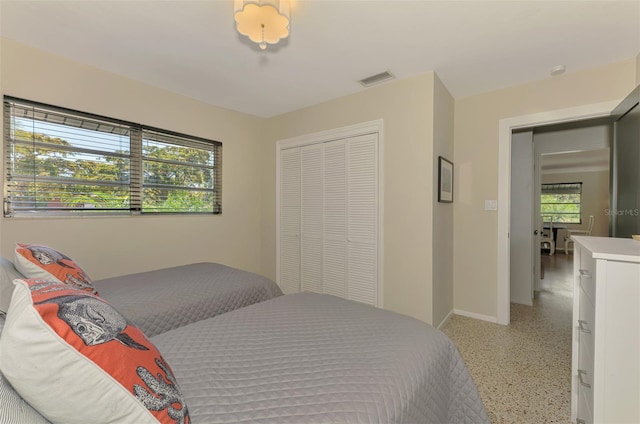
pixel 192 48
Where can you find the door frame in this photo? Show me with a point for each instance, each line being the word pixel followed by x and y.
pixel 537 218
pixel 506 126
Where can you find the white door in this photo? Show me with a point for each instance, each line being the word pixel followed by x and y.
pixel 362 218
pixel 329 218
pixel 521 232
pixel 311 225
pixel 335 262
pixel 290 206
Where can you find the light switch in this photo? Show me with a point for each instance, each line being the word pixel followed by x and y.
pixel 490 205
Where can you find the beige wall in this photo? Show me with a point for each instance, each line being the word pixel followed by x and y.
pixel 595 200
pixel 442 212
pixel 638 69
pixel 414 223
pixel 113 246
pixel 476 156
pixel 407 110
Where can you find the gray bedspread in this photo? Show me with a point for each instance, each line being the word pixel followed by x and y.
pixel 161 300
pixel 310 358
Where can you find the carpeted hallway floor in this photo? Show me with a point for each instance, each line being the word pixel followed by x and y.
pixel 523 371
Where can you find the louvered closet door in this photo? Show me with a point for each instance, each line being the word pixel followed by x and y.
pixel 312 201
pixel 335 274
pixel 329 219
pixel 362 218
pixel 290 208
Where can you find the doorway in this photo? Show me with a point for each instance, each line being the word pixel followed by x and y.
pixel 570 162
pixel 506 127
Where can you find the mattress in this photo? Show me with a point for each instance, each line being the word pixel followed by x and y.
pixel 311 358
pixel 161 300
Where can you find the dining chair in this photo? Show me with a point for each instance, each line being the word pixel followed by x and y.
pixel 546 237
pixel 570 233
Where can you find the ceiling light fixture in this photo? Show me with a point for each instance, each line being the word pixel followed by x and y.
pixel 264 22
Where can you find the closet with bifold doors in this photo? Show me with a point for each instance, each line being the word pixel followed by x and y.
pixel 329 215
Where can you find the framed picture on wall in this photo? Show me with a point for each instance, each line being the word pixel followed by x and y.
pixel 445 180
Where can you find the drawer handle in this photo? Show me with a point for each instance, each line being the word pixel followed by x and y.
pixel 585 273
pixel 583 326
pixel 579 421
pixel 582 382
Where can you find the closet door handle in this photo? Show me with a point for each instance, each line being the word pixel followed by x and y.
pixel 582 324
pixel 582 382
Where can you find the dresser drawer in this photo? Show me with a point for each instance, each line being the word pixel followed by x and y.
pixel 586 320
pixel 588 283
pixel 587 273
pixel 585 368
pixel 586 261
pixel 585 413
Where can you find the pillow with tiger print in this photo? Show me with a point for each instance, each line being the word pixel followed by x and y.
pixel 45 263
pixel 76 360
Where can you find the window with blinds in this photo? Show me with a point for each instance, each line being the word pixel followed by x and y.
pixel 63 162
pixel 561 202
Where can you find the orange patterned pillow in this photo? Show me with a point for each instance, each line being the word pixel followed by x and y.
pixel 44 263
pixel 77 360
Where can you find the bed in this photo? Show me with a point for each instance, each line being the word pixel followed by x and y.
pixel 164 299
pixel 299 358
pixel 310 358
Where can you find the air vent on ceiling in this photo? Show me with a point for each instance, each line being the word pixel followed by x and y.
pixel 376 79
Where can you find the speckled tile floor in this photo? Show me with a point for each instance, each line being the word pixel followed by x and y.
pixel 523 371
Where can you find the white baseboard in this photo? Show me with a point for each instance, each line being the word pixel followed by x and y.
pixel 444 321
pixel 476 316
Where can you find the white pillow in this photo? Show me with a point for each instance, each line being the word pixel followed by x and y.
pixel 77 360
pixel 14 409
pixel 8 273
pixel 43 262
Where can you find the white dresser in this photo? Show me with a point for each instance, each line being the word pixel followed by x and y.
pixel 605 367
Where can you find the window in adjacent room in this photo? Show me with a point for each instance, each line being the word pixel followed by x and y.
pixel 64 162
pixel 561 202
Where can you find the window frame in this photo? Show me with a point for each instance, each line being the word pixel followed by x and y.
pixel 559 189
pixel 136 183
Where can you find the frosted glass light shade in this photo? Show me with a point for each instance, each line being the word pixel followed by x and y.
pixel 264 22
